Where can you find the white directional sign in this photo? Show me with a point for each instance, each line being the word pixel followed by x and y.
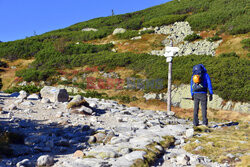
pixel 169 52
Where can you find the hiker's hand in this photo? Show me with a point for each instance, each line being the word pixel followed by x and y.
pixel 210 97
pixel 193 97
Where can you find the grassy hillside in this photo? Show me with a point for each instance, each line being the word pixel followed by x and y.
pixel 58 49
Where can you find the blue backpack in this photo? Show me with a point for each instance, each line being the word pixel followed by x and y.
pixel 198 70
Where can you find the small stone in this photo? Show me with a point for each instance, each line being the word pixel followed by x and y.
pixel 12 107
pixel 22 94
pixel 183 159
pixel 230 156
pixel 170 113
pixel 78 154
pixel 92 139
pixel 135 155
pixel 198 148
pixel 100 137
pixel 24 163
pixel 33 97
pixel 85 110
pixel 197 141
pixel 45 100
pixel 190 133
pixel 59 114
pixel 125 151
pixel 27 103
pixel 45 160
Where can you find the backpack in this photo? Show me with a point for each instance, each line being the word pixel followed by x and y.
pixel 198 72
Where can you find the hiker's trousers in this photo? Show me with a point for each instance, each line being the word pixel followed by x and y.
pixel 200 98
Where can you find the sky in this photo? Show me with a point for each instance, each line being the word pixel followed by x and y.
pixel 24 18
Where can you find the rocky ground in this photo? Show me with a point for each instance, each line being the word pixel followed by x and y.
pixel 111 134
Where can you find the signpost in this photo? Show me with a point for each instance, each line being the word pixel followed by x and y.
pixel 169 53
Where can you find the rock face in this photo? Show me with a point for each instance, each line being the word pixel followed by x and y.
pixel 119 31
pixel 183 91
pixel 54 94
pixel 89 29
pixel 177 32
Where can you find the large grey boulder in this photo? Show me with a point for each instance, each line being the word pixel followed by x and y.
pixel 54 94
pixel 119 31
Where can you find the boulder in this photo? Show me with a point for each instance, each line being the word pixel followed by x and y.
pixel 119 31
pixel 22 94
pixel 54 94
pixel 45 160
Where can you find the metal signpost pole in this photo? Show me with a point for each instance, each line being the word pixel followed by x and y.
pixel 169 82
pixel 169 86
pixel 169 53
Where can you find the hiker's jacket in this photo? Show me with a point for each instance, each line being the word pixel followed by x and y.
pixel 206 83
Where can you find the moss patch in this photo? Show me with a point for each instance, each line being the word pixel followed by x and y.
pixel 221 142
pixel 77 104
pixel 152 153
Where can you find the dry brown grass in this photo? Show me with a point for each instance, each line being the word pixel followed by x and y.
pixel 206 34
pixel 145 45
pixel 8 77
pixel 148 43
pixel 231 43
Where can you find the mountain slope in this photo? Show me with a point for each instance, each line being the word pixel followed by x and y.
pixel 71 47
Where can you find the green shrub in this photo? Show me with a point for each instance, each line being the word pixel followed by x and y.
pixel 232 54
pixel 31 74
pixel 86 48
pixel 94 94
pixel 127 35
pixel 29 89
pixel 214 38
pixel 246 44
pixel 192 37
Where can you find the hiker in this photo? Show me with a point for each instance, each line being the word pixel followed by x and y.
pixel 200 82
